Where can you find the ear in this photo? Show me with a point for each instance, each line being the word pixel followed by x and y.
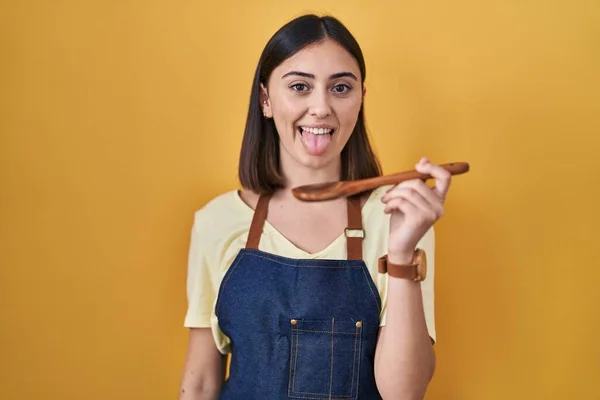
pixel 265 102
pixel 364 93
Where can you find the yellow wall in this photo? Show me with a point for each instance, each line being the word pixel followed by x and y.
pixel 113 117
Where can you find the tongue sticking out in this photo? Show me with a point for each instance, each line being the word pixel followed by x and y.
pixel 315 144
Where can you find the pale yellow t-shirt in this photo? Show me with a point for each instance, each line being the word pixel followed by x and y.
pixel 221 229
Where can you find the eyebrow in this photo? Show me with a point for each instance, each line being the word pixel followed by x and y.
pixel 311 76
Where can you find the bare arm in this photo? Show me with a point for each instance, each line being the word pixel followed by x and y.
pixel 404 357
pixel 204 369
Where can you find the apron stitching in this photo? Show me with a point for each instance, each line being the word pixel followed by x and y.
pixel 359 358
pixel 353 361
pixel 331 373
pixel 295 362
pixel 309 266
pixel 337 333
pixel 291 356
pixel 227 279
pixel 321 398
pixel 334 397
pixel 371 289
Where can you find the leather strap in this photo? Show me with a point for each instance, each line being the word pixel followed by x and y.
pixel 416 270
pixel 354 232
pixel 395 270
pixel 258 221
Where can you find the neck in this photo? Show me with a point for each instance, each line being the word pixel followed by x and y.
pixel 298 175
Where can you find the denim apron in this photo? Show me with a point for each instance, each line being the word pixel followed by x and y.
pixel 300 328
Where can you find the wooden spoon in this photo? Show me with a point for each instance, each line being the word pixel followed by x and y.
pixel 333 190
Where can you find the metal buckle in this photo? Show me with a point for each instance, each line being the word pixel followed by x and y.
pixel 360 233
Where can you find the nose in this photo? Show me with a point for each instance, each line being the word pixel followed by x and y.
pixel 319 104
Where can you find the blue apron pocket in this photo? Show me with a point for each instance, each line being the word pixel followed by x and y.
pixel 325 358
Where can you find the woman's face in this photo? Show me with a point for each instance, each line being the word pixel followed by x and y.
pixel 314 98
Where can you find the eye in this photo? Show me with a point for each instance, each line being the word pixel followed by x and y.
pixel 341 88
pixel 299 87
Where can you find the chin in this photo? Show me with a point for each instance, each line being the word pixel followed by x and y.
pixel 315 162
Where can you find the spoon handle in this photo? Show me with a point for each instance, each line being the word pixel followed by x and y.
pixel 455 168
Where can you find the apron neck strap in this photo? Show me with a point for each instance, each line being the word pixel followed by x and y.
pixel 258 221
pixel 354 232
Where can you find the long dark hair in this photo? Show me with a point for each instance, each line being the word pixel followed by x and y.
pixel 259 157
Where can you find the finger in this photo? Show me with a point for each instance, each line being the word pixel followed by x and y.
pixel 410 212
pixel 442 177
pixel 418 205
pixel 411 195
pixel 420 187
pixel 433 207
pixel 403 205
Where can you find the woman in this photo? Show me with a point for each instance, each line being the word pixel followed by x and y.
pixel 292 289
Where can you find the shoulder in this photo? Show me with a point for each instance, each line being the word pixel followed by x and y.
pixel 222 215
pixel 215 207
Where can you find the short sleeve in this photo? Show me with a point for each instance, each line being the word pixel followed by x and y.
pixel 202 279
pixel 427 243
pixel 219 231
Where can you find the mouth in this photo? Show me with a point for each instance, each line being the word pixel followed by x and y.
pixel 316 140
pixel 316 131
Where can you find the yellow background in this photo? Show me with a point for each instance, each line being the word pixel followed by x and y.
pixel 120 118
